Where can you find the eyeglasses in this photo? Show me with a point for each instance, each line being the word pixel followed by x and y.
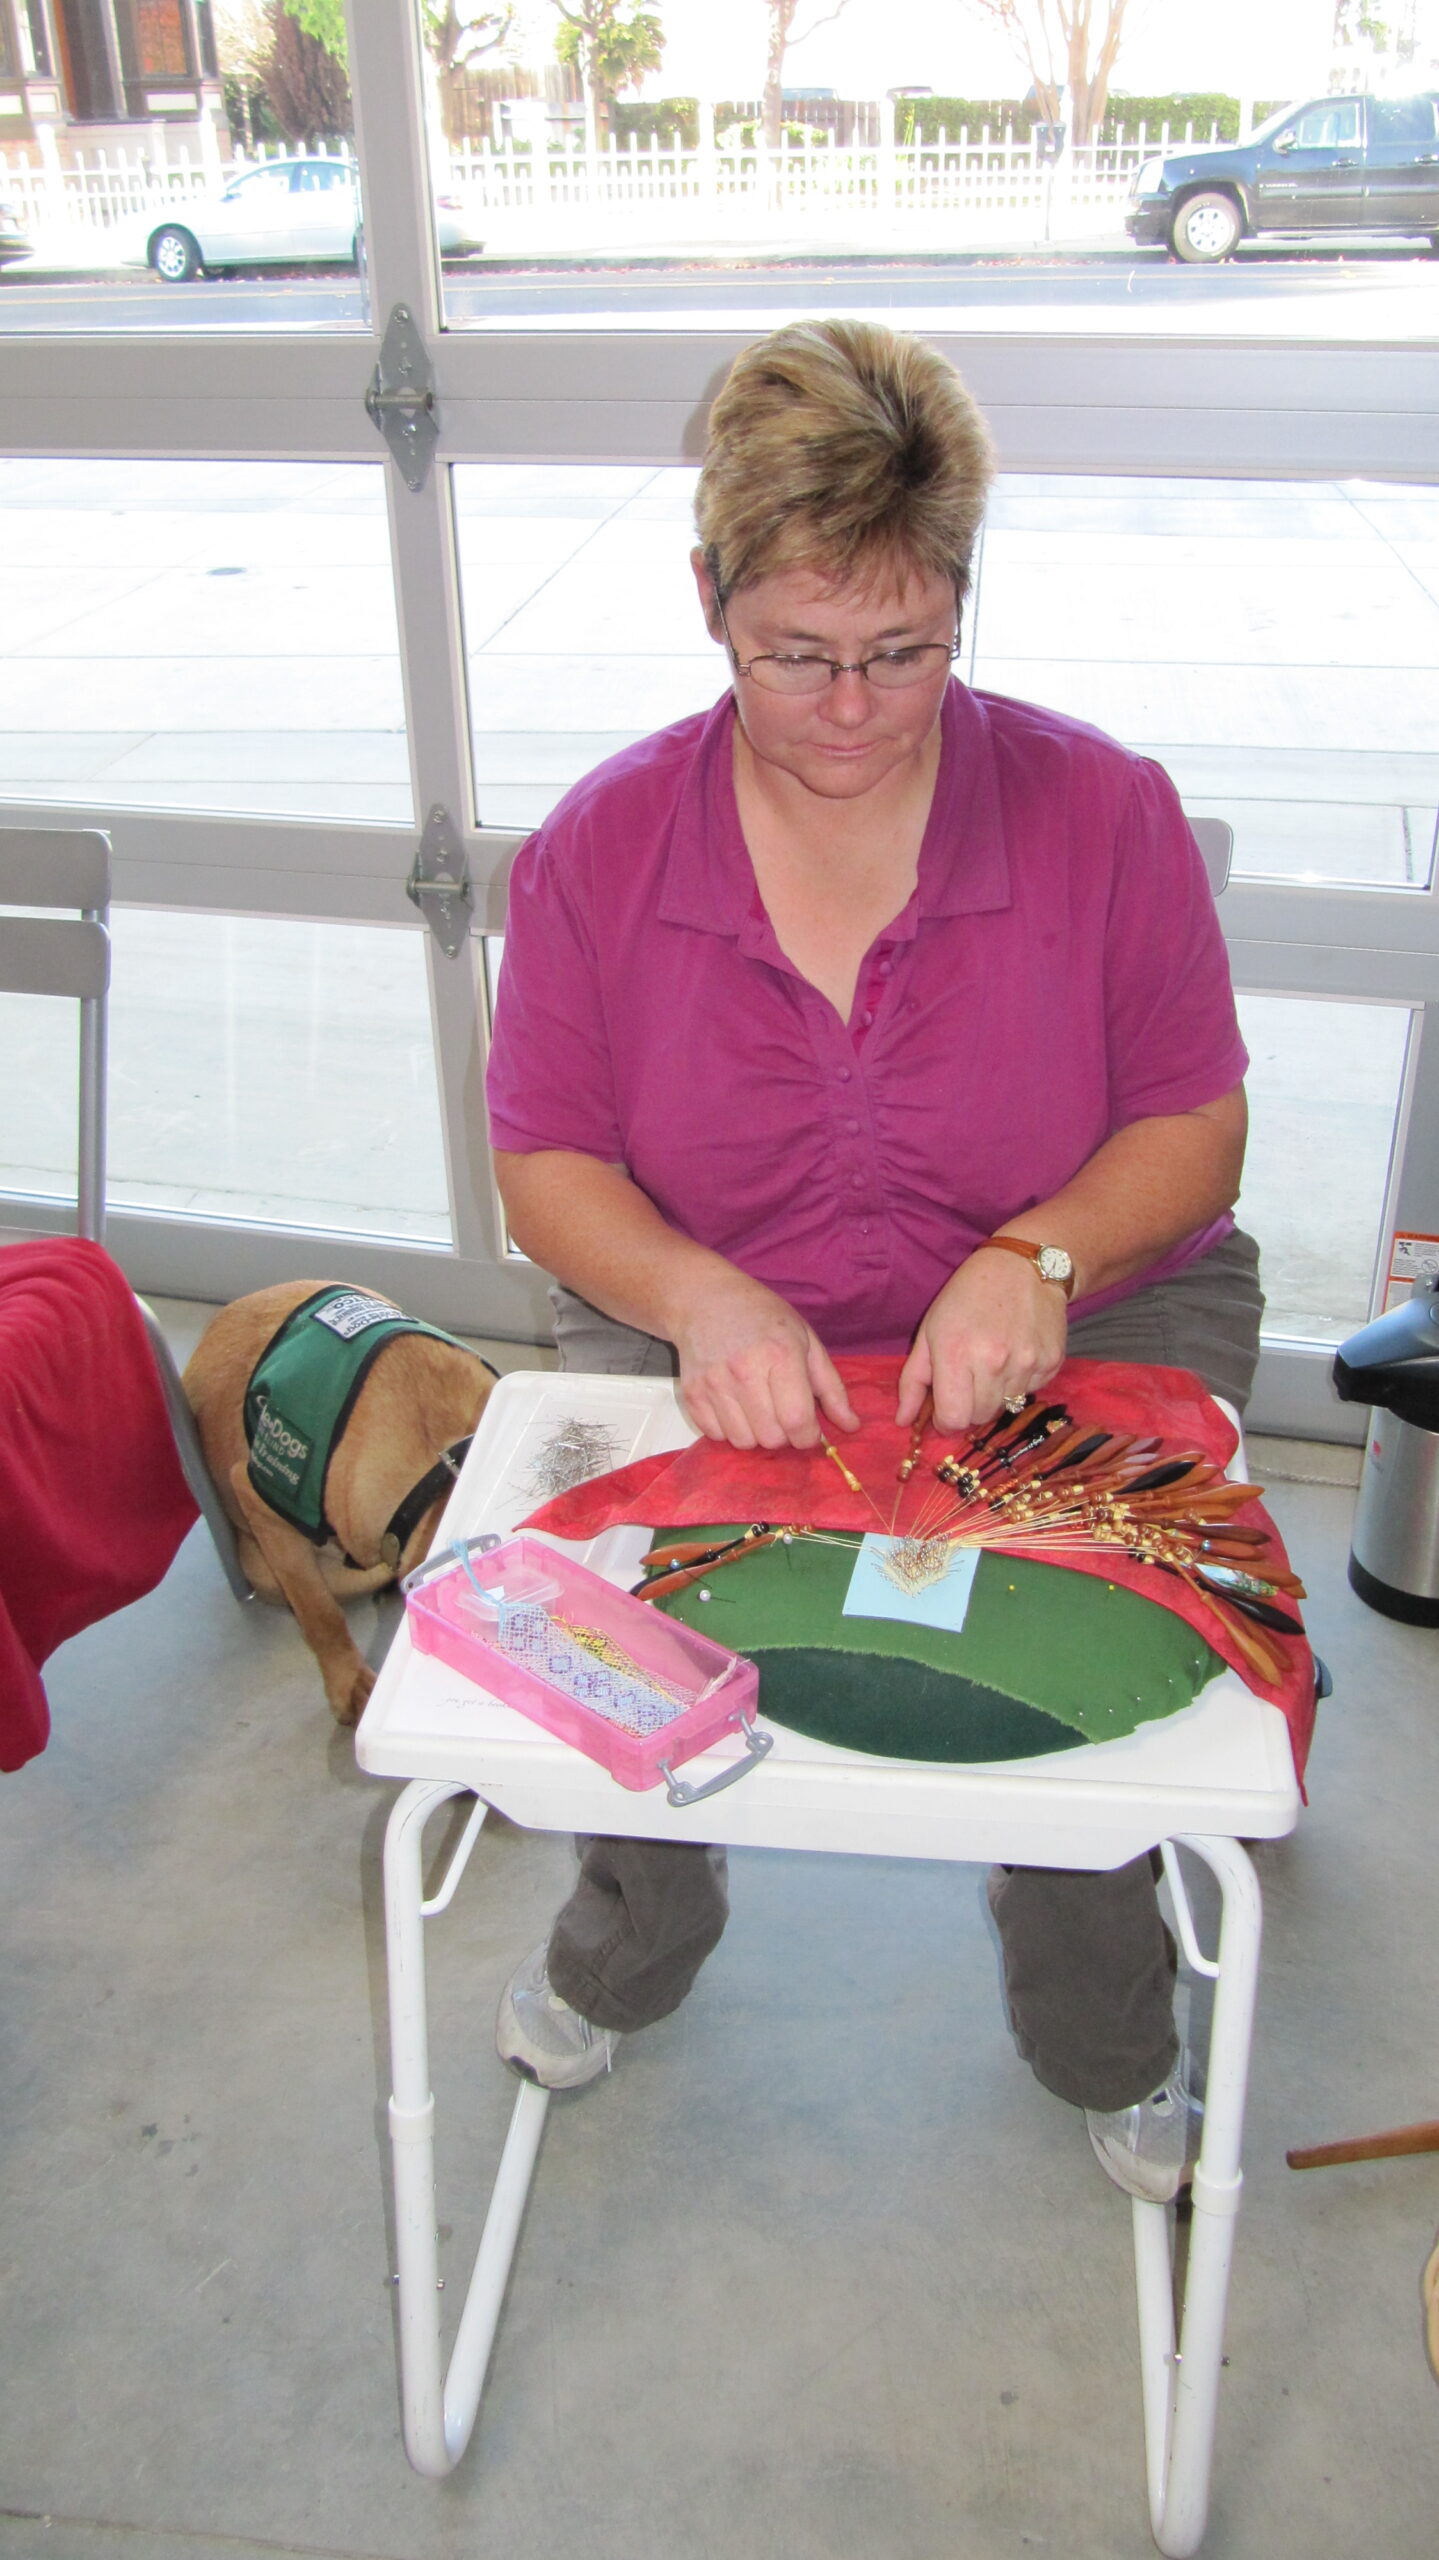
pixel 889 670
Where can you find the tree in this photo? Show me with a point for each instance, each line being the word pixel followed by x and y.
pixel 781 39
pixel 307 82
pixel 1363 31
pixel 244 47
pixel 323 21
pixel 455 30
pixel 1359 26
pixel 1064 44
pixel 612 45
pixel 457 33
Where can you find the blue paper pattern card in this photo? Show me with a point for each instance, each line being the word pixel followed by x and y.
pixel 871 1594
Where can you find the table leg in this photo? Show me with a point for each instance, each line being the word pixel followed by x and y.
pixel 1181 2381
pixel 439 2407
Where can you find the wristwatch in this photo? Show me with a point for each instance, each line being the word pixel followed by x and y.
pixel 1050 1260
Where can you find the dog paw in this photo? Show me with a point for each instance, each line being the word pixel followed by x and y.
pixel 350 1705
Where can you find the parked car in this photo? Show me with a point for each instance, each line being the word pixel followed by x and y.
pixel 1331 165
pixel 15 240
pixel 282 213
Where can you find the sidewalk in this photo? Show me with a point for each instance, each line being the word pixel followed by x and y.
pixel 88 256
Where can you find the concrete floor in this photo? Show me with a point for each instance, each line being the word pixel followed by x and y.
pixel 819 2272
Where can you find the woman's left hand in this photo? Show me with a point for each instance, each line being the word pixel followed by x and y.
pixel 995 1330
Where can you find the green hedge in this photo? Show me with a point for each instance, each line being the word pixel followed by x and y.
pixel 1200 107
pixel 926 119
pixel 929 119
pixel 662 119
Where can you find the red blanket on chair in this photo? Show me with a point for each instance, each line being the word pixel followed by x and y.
pixel 93 1503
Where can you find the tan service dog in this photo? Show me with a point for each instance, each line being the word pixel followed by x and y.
pixel 419 1397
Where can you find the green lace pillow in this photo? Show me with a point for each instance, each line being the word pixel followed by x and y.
pixel 1045 1660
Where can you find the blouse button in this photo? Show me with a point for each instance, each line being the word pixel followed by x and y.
pixel 866 1018
pixel 853 1127
pixel 856 1182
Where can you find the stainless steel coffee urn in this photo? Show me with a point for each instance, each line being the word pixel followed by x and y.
pixel 1393 1365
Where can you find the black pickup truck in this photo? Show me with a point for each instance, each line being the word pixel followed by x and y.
pixel 1331 165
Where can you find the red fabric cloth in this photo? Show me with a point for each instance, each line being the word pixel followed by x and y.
pixel 710 1482
pixel 93 1503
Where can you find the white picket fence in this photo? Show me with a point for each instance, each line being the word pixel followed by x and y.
pixel 548 197
pixel 732 190
pixel 101 188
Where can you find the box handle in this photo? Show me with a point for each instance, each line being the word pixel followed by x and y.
pixel 679 1791
pixel 445 1558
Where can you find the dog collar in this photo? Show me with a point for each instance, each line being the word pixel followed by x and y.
pixel 417 1501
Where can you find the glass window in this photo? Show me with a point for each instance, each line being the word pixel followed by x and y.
pixel 1400 120
pixel 1325 1082
pixel 201 635
pixel 260 186
pixel 146 228
pixel 153 38
pixel 1334 127
pixel 261 1069
pixel 34 25
pixel 9 53
pixel 1274 645
pixel 641 169
pixel 583 630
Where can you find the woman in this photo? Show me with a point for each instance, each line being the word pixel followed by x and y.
pixel 866 1012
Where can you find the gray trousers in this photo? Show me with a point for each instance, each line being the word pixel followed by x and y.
pixel 1088 1963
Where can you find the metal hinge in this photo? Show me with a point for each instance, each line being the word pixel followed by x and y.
pixel 401 398
pixel 439 883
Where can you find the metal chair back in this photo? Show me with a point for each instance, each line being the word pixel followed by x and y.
pixel 1215 839
pixel 67 954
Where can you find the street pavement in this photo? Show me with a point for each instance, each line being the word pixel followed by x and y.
pixel 1362 290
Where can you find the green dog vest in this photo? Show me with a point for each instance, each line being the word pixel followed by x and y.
pixel 302 1392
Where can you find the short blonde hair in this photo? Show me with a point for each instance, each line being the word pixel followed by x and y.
pixel 842 447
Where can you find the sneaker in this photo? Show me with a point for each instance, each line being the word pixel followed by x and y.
pixel 542 2038
pixel 1149 2150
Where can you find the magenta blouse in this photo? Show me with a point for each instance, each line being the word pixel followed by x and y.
pixel 1058 973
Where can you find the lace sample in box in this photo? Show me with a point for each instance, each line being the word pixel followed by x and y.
pixel 634 1690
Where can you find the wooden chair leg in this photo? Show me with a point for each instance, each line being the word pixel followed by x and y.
pixel 1404 2141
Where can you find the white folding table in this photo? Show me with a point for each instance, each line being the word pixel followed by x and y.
pixel 1215 1774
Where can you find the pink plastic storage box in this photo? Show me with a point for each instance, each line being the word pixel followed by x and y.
pixel 633 1689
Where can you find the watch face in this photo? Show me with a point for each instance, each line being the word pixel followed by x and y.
pixel 1053 1263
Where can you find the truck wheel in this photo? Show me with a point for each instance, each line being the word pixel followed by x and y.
pixel 1205 229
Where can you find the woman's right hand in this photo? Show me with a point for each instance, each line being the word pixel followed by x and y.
pixel 751 1370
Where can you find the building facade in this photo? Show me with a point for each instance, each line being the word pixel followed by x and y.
pixel 99 68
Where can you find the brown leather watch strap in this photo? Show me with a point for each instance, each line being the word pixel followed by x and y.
pixel 1030 1253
